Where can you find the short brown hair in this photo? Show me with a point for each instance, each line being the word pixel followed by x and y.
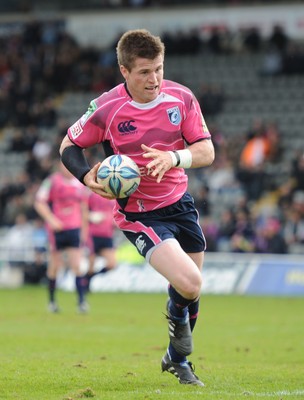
pixel 138 43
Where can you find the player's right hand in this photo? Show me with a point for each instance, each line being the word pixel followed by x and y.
pixel 90 180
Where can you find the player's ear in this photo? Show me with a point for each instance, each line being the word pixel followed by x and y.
pixel 124 71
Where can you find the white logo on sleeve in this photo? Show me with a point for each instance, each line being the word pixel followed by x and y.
pixel 76 129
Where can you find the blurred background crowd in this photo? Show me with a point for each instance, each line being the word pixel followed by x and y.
pixel 58 5
pixel 250 200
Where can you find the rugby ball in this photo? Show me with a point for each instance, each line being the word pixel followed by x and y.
pixel 119 175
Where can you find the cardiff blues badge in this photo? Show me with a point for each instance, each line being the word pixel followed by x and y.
pixel 174 115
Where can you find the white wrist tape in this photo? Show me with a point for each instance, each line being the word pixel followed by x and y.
pixel 181 158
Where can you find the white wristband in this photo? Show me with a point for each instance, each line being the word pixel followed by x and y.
pixel 174 159
pixel 181 158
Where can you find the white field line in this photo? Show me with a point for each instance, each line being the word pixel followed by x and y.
pixel 282 393
pixel 202 392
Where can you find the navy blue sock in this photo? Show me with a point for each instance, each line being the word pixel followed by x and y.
pixel 52 288
pixel 178 308
pixel 178 305
pixel 80 288
pixel 193 309
pixel 174 355
pixel 103 270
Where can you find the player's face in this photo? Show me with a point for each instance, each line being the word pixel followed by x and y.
pixel 145 79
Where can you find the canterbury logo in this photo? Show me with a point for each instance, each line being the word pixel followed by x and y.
pixel 140 244
pixel 127 126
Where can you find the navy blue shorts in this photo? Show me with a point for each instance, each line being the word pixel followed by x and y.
pixel 67 238
pixel 100 243
pixel 179 220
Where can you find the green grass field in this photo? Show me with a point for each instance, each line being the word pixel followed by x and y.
pixel 245 347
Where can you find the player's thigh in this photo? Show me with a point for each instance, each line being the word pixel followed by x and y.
pixel 198 258
pixel 177 267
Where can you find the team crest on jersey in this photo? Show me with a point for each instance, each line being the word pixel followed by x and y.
pixel 174 115
pixel 76 129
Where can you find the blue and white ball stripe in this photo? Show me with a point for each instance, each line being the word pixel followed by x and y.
pixel 120 175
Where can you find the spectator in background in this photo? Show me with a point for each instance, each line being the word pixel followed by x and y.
pixel 210 232
pixel 194 41
pixel 221 177
pixel 42 149
pixel 275 150
pixel 22 116
pixel 32 167
pixel 211 99
pixel 23 139
pixel 202 200
pixel 251 168
pixel 269 238
pixel 298 202
pixel 272 63
pixel 284 196
pixel 226 229
pixel 17 204
pixel 290 192
pixel 61 202
pixel 17 142
pixel 19 242
pixel 44 114
pixel 293 230
pixel 293 59
pixel 11 198
pixel 215 43
pixel 242 241
pixel 278 39
pixel 31 135
pixel 252 40
pixel 297 172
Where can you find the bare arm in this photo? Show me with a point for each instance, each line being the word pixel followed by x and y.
pixel 45 212
pixel 202 153
pixel 66 142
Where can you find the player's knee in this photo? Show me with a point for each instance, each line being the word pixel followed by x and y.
pixel 191 287
pixel 195 289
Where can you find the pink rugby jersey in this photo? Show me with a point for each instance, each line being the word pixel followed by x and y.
pixel 65 196
pixel 101 216
pixel 122 125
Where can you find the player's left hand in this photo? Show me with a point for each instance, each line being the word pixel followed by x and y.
pixel 161 163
